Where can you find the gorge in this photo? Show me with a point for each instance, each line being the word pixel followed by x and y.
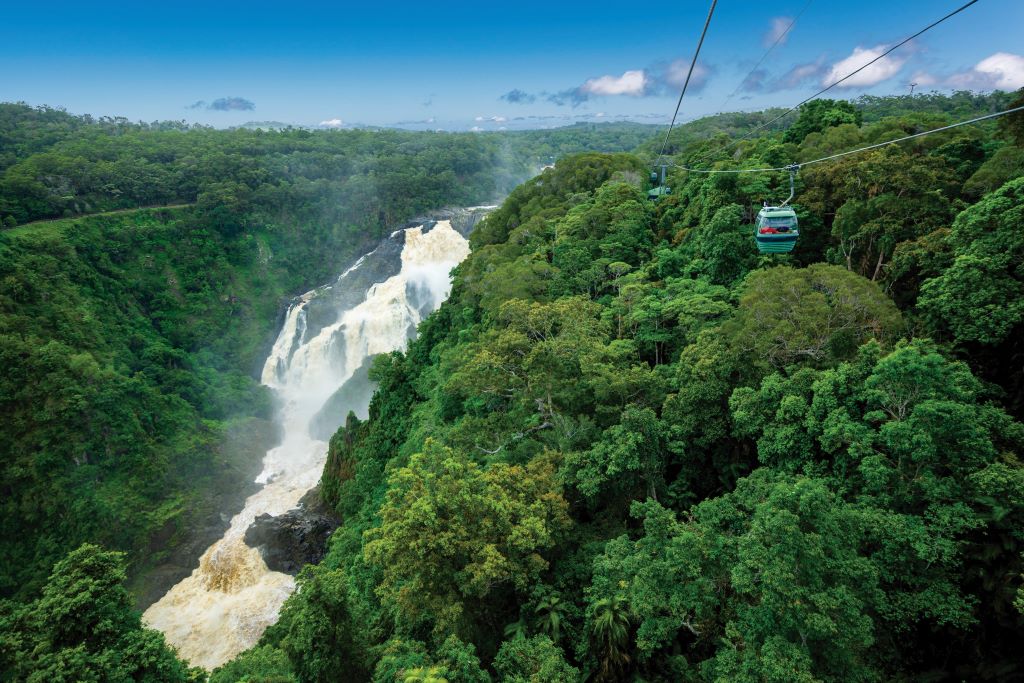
pixel 317 368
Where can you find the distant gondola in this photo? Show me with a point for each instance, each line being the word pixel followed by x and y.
pixel 658 192
pixel 660 189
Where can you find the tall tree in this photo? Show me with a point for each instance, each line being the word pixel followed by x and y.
pixel 84 628
pixel 452 534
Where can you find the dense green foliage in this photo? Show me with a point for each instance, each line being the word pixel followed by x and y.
pixel 626 448
pixel 53 165
pixel 630 448
pixel 121 393
pixel 129 340
pixel 83 628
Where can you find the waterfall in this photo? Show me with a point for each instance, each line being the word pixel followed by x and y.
pixel 227 602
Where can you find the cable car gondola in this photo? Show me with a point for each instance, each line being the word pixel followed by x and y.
pixel 660 189
pixel 776 228
pixel 658 192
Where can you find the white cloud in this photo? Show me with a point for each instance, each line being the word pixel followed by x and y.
pixel 1006 69
pixel 332 123
pixel 1003 71
pixel 777 28
pixel 478 119
pixel 675 75
pixel 655 80
pixel 882 70
pixel 633 83
pixel 476 129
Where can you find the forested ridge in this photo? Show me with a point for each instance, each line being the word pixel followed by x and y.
pixel 627 447
pixel 131 338
pixel 54 164
pixel 131 341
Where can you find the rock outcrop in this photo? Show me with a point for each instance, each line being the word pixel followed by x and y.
pixel 297 538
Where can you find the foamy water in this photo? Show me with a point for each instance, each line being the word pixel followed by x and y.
pixel 224 606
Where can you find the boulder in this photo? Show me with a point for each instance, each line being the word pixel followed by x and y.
pixel 290 541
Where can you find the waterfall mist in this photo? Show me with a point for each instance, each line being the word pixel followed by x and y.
pixel 327 339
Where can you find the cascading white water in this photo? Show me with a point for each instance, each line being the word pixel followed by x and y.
pixel 230 599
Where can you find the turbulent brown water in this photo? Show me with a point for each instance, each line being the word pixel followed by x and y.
pixel 230 599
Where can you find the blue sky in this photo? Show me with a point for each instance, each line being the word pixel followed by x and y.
pixel 452 66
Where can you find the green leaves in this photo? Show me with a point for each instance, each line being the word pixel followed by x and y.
pixel 980 297
pixel 815 316
pixel 821 501
pixel 817 115
pixel 902 436
pixel 318 634
pixel 533 660
pixel 452 533
pixel 407 661
pixel 84 628
pixel 720 249
pixel 609 626
pixel 546 193
pixel 772 565
pixel 627 460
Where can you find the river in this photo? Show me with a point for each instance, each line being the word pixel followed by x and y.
pixel 317 368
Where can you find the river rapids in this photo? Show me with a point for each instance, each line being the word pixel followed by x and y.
pixel 326 341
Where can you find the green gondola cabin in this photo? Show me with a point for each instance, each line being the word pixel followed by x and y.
pixel 775 230
pixel 660 189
